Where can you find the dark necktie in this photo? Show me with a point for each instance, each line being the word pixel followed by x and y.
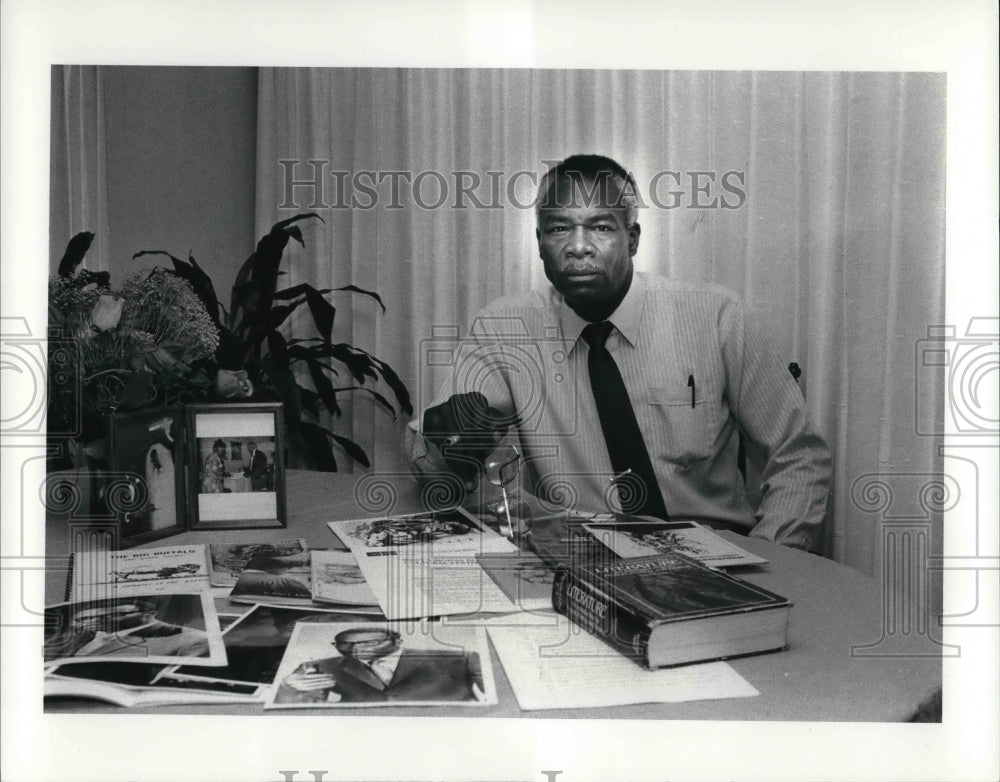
pixel 638 492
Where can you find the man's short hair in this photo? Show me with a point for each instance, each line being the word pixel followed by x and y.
pixel 350 637
pixel 597 169
pixel 136 605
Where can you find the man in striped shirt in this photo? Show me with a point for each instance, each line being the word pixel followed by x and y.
pixel 697 371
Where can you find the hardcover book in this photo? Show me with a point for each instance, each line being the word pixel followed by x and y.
pixel 670 609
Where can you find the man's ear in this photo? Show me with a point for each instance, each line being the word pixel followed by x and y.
pixel 633 239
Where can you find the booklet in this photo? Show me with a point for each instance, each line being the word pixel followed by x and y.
pixel 227 560
pixel 151 627
pixel 424 564
pixel 336 578
pixel 378 664
pixel 629 537
pixel 97 574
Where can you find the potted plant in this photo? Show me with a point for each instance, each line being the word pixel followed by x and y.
pixel 250 356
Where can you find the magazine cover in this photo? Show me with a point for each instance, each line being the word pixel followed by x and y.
pixel 630 538
pixel 98 574
pixel 227 560
pixel 336 578
pixel 378 664
pixel 275 578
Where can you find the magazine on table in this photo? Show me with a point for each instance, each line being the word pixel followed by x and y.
pixel 633 537
pixel 424 564
pixel 354 665
pixel 227 560
pixel 141 684
pixel 149 627
pixel 336 578
pixel 97 574
pixel 288 580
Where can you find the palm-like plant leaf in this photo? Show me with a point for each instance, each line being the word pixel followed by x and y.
pixel 250 338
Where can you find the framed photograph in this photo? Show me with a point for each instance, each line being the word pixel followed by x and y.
pixel 236 469
pixel 146 492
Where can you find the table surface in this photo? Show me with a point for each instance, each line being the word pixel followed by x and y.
pixel 818 677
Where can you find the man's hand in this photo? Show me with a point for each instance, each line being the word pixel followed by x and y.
pixel 310 680
pixel 466 430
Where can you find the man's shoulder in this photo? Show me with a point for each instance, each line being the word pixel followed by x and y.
pixel 520 315
pixel 681 290
pixel 535 300
pixel 436 654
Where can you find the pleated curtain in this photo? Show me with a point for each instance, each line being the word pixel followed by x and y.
pixel 836 243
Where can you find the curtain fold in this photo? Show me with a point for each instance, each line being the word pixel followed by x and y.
pixel 78 178
pixel 817 197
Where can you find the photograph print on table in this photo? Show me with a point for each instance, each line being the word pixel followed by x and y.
pixel 154 628
pixel 351 665
pixel 236 453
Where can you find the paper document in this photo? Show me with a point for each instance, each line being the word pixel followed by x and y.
pixel 424 564
pixel 564 667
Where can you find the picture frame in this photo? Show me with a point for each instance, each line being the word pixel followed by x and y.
pixel 247 492
pixel 146 490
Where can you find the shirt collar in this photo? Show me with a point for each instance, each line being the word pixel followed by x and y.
pixel 386 664
pixel 625 318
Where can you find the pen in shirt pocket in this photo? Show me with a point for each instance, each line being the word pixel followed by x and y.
pixel 691 386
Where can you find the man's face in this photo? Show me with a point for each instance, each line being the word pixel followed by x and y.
pixel 108 620
pixel 587 251
pixel 368 645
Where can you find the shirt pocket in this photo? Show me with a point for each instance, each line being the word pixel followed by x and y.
pixel 684 433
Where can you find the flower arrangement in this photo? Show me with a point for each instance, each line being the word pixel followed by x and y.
pixel 149 343
pixel 164 339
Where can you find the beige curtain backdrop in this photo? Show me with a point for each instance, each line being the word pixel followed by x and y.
pixel 78 177
pixel 837 242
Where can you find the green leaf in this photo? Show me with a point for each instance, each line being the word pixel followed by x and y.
pixel 375 394
pixel 318 446
pixel 139 384
pixel 354 450
pixel 356 289
pixel 76 249
pixel 397 385
pixel 323 385
pixel 289 392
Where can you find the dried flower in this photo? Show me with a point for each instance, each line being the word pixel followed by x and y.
pixel 154 325
pixel 106 313
pixel 230 384
pixel 166 307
